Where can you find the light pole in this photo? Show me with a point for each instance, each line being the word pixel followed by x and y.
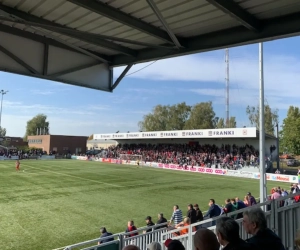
pixel 2 92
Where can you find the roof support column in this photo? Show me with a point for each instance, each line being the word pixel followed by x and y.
pixel 121 76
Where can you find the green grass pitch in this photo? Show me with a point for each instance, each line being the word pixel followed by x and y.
pixel 56 203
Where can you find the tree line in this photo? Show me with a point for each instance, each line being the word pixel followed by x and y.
pixel 201 116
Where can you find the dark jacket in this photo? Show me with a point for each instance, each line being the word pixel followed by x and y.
pixel 104 235
pixel 266 240
pixel 161 221
pixel 199 215
pixel 240 245
pixel 214 211
pixel 150 224
pixel 192 215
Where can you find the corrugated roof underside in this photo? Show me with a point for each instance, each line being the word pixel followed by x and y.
pixel 186 18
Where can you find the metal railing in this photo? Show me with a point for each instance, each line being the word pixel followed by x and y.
pixel 283 218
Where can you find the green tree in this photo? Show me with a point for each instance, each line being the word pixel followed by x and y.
pixel 2 132
pixel 289 135
pixel 271 118
pixel 91 137
pixel 202 117
pixel 232 122
pixel 166 117
pixel 220 123
pixel 37 122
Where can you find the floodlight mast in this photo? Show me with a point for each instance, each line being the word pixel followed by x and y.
pixel 2 92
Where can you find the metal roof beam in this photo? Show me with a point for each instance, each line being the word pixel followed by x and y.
pixel 237 12
pixel 43 39
pixel 123 74
pixel 121 17
pixel 20 16
pixel 281 27
pixel 18 60
pixel 164 23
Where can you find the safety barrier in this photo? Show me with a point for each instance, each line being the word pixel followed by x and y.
pixel 242 173
pixel 282 217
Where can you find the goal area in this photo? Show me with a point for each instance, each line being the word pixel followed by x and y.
pixel 130 157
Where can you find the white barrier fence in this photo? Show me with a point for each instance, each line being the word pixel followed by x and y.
pixel 4 158
pixel 243 173
pixel 284 220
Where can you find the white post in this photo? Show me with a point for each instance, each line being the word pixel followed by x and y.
pixel 263 192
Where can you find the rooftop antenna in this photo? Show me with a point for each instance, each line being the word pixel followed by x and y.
pixel 227 87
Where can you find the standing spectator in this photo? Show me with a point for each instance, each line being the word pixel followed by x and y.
pixel 205 239
pixel 255 223
pixel 275 195
pixel 227 230
pixel 105 234
pixel 149 224
pixel 191 213
pixel 199 214
pixel 161 220
pixel 176 216
pixel 228 206
pixel 214 210
pixel 251 199
pixel 130 228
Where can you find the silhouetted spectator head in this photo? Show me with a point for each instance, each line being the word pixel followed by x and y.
pixel 227 231
pixel 254 220
pixel 175 245
pixel 154 246
pixel 205 239
pixel 131 247
pixel 103 230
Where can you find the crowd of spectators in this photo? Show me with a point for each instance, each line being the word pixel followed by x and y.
pixel 228 156
pixel 20 153
pixel 227 229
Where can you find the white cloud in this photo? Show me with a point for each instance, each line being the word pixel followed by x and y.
pixel 41 92
pixel 282 75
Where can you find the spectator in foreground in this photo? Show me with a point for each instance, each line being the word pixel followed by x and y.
pixel 131 247
pixel 227 230
pixel 174 245
pixel 154 246
pixel 176 216
pixel 105 234
pixel 297 241
pixel 130 228
pixel 255 223
pixel 161 220
pixel 205 239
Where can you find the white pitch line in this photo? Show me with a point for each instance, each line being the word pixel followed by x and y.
pixel 77 177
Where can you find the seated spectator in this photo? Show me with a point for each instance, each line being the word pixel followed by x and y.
pixel 105 234
pixel 191 213
pixel 186 222
pixel 205 239
pixel 227 230
pixel 154 246
pixel 161 220
pixel 255 223
pixel 130 228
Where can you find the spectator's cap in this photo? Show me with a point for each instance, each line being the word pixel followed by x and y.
pixel 154 246
pixel 249 193
pixel 148 218
pixel 196 205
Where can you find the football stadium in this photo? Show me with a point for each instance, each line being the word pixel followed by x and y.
pixel 188 189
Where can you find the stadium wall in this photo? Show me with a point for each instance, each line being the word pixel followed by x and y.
pixel 243 173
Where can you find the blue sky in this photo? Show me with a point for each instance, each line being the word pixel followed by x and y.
pixel 78 111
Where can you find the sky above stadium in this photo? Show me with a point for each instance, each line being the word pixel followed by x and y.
pixel 196 78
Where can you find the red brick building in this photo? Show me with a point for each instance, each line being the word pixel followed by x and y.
pixel 61 144
pixel 10 141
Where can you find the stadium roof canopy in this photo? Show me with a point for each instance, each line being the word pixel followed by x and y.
pixel 80 41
